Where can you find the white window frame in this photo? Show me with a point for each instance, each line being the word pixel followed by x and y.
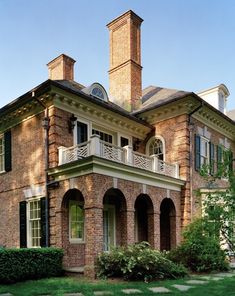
pixel 82 120
pixel 120 135
pixel 105 131
pixel 29 228
pixel 76 240
pixel 106 208
pixel 204 153
pixel 2 155
pixel 157 137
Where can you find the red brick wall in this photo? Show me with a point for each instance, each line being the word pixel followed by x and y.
pixel 27 168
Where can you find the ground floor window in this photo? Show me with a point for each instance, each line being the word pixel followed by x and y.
pixel 76 214
pixel 32 223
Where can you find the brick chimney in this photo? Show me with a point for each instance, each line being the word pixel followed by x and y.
pixel 61 68
pixel 125 61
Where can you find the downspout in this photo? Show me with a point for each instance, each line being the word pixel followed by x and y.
pixel 46 159
pixel 191 129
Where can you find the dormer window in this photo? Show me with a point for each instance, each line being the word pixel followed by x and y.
pixel 96 90
pixel 98 93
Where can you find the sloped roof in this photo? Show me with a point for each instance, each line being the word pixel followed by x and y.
pixel 231 114
pixel 153 96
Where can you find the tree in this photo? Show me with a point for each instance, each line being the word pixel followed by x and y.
pixel 218 205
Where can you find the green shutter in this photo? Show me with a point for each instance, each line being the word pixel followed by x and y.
pixel 219 158
pixel 212 158
pixel 197 153
pixel 23 224
pixel 7 141
pixel 230 161
pixel 43 222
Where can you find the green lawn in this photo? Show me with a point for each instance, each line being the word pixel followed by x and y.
pixel 59 286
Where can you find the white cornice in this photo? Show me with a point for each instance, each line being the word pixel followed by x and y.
pixel 98 114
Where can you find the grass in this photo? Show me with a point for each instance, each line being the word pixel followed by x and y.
pixel 59 286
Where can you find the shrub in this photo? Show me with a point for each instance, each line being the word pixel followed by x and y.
pixel 200 251
pixel 24 264
pixel 138 262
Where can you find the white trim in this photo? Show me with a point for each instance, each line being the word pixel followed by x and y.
pixel 29 233
pixel 107 207
pixel 76 240
pixel 163 145
pixel 82 120
pixel 121 135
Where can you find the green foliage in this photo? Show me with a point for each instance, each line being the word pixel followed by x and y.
pixel 219 203
pixel 200 250
pixel 23 264
pixel 138 262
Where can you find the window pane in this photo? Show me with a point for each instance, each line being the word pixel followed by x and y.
pixel 76 222
pixel 35 223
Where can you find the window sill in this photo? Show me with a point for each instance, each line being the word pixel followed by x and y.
pixel 76 242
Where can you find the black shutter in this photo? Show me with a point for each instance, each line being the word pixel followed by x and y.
pixel 197 153
pixel 230 161
pixel 7 141
pixel 219 157
pixel 212 158
pixel 23 225
pixel 43 222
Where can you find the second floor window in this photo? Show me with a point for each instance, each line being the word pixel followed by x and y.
pixel 103 136
pixel 81 132
pixel 156 147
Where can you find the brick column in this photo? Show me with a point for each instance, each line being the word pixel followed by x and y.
pixel 93 237
pixel 156 231
pixel 130 226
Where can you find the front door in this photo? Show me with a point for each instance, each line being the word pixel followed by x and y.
pixel 109 227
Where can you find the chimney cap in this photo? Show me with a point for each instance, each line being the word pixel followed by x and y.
pixel 61 57
pixel 125 15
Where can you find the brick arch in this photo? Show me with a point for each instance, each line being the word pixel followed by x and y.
pixel 115 199
pixel 167 224
pixel 71 249
pixel 144 219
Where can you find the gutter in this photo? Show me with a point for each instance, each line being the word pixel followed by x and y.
pixel 46 121
pixel 191 129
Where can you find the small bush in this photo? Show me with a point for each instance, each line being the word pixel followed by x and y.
pixel 138 262
pixel 200 251
pixel 24 264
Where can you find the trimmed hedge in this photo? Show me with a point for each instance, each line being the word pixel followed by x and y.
pixel 25 264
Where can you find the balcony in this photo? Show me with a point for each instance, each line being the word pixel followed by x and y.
pixel 124 155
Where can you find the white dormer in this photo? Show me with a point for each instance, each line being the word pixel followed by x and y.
pixel 216 96
pixel 96 90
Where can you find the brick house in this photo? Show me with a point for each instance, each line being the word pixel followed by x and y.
pixel 84 170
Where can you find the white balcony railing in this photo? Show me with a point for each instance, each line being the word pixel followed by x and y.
pixel 124 155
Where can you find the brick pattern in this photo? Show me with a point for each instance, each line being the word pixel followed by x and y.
pixel 97 190
pixel 125 62
pixel 27 169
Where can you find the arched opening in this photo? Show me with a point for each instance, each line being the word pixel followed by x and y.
pixel 114 219
pixel 167 225
pixel 73 228
pixel 73 215
pixel 144 222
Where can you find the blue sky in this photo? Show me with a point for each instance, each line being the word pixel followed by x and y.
pixel 186 44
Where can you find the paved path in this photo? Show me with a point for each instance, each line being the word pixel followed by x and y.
pixel 188 284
